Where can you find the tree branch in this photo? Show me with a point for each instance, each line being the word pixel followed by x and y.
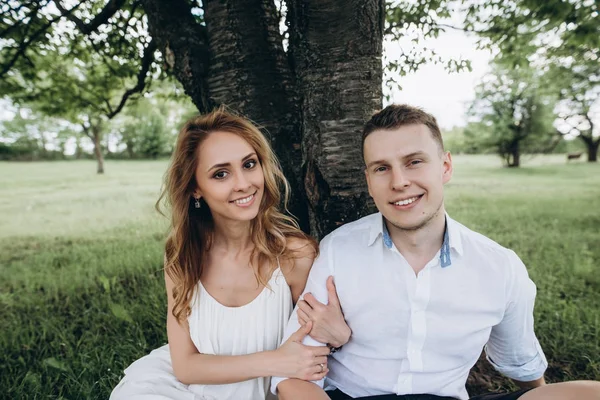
pixel 26 43
pixel 86 131
pixel 39 5
pixel 147 60
pixel 108 11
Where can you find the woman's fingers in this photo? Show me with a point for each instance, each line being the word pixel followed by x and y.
pixel 319 374
pixel 321 351
pixel 321 360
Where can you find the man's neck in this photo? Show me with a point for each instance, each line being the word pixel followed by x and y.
pixel 419 246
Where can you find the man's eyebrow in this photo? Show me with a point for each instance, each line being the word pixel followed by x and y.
pixel 404 157
pixel 415 154
pixel 369 165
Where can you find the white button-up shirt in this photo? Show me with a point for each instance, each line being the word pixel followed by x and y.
pixel 422 333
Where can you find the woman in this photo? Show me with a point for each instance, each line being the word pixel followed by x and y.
pixel 234 264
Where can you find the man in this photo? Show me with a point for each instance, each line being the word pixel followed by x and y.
pixel 421 294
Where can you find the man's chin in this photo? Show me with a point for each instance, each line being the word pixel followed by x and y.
pixel 412 224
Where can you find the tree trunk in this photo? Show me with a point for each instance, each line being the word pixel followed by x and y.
pixel 249 72
pixel 591 147
pixel 336 47
pixel 514 155
pixel 184 46
pixel 312 102
pixel 129 144
pixel 97 139
pixel 593 151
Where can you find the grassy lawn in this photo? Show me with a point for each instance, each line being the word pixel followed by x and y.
pixel 81 287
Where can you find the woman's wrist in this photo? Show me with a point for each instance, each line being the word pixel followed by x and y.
pixel 270 364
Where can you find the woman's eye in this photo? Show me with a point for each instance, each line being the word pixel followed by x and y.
pixel 220 175
pixel 250 164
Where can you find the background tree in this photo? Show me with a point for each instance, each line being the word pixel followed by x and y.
pixel 514 114
pixel 144 130
pixel 579 109
pixel 30 135
pixel 81 78
pixel 147 128
pixel 559 37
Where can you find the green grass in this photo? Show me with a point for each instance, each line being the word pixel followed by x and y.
pixel 82 293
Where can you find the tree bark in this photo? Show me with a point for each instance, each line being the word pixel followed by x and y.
pixel 336 48
pixel 312 102
pixel 249 72
pixel 183 44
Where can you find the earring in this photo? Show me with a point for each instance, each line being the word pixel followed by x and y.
pixel 197 203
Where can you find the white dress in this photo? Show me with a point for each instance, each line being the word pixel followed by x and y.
pixel 215 329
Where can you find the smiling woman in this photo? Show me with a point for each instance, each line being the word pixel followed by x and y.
pixel 234 266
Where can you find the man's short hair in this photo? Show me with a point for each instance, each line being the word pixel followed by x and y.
pixel 397 115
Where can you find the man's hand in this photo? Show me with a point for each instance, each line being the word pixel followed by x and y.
pixel 328 321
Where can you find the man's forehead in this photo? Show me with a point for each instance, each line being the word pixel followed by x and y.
pixel 401 141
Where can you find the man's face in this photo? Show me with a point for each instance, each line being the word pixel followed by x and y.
pixel 406 172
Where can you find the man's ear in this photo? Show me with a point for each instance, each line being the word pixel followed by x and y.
pixel 447 168
pixel 368 182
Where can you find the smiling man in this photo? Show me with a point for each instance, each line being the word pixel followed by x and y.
pixel 422 295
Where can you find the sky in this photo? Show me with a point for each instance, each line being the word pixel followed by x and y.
pixel 443 94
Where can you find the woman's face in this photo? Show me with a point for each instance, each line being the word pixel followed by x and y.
pixel 229 177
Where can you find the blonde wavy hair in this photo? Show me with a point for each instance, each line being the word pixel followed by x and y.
pixel 191 230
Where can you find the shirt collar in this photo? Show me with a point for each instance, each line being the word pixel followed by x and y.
pixel 452 238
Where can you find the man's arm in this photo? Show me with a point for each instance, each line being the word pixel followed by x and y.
pixel 329 325
pixel 316 284
pixel 296 389
pixel 513 348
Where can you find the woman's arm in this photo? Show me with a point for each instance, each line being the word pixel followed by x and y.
pixel 294 389
pixel 296 269
pixel 292 359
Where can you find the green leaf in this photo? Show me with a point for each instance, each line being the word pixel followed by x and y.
pixel 120 312
pixel 56 364
pixel 105 283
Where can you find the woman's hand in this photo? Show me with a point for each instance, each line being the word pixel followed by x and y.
pixel 295 360
pixel 329 325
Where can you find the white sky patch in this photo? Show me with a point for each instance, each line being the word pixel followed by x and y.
pixel 445 95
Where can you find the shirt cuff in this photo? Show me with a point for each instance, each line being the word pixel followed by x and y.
pixel 276 380
pixel 530 371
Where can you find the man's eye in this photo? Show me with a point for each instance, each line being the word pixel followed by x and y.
pixel 380 169
pixel 415 162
